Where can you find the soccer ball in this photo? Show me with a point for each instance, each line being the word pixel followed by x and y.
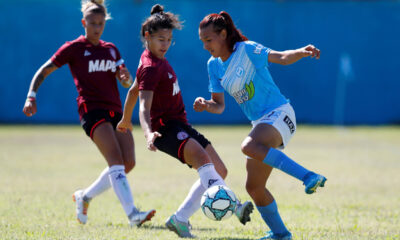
pixel 218 203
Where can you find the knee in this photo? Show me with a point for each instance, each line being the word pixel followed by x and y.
pixel 200 157
pixel 253 189
pixel 129 165
pixel 248 146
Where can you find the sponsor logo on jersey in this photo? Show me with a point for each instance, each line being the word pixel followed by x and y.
pixel 244 94
pixel 101 65
pixel 290 124
pixel 182 135
pixel 170 75
pixel 176 89
pixel 87 53
pixel 113 53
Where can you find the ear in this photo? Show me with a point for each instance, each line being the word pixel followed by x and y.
pixel 147 35
pixel 223 34
pixel 83 22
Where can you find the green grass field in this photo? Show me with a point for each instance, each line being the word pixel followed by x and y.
pixel 41 166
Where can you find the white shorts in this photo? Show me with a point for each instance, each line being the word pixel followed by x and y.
pixel 283 119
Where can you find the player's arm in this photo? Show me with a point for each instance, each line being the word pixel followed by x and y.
pixel 45 70
pixel 146 100
pixel 291 56
pixel 215 105
pixel 130 103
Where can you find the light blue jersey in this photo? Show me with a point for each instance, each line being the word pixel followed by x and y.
pixel 245 76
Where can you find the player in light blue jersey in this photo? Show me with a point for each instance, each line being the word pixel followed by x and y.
pixel 240 67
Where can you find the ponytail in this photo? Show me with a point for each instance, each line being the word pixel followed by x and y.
pixel 223 21
pixel 94 6
pixel 160 20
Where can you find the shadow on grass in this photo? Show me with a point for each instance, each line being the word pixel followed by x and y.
pixel 222 238
pixel 163 227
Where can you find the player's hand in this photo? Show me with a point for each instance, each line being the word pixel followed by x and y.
pixel 310 51
pixel 151 137
pixel 125 77
pixel 200 104
pixel 30 107
pixel 123 126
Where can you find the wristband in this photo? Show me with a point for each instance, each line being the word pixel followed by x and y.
pixel 31 94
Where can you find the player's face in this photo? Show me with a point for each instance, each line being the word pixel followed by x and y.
pixel 159 42
pixel 94 26
pixel 214 42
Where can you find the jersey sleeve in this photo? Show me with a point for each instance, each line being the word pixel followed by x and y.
pixel 257 53
pixel 118 56
pixel 63 55
pixel 147 78
pixel 214 85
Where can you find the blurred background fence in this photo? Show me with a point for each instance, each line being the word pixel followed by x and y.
pixel 356 81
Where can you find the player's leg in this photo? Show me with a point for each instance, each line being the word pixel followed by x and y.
pixel 82 198
pixel 257 176
pixel 195 155
pixel 106 140
pixel 192 201
pixel 243 210
pixel 127 145
pixel 261 144
pixel 102 183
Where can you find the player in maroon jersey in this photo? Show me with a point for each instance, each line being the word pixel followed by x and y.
pixel 163 119
pixel 95 65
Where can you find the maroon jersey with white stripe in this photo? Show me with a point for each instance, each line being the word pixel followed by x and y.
pixel 94 72
pixel 157 75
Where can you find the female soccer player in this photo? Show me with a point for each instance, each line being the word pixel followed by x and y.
pixel 163 119
pixel 240 67
pixel 95 64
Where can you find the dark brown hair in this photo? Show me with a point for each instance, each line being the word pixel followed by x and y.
pixel 160 20
pixel 223 21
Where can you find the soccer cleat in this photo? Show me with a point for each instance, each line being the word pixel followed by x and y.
pixel 180 228
pixel 271 236
pixel 139 218
pixel 243 211
pixel 81 206
pixel 312 181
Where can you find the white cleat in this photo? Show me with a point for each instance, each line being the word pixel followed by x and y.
pixel 81 206
pixel 139 218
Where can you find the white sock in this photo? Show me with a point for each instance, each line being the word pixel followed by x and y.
pixel 209 176
pixel 192 202
pixel 101 184
pixel 121 188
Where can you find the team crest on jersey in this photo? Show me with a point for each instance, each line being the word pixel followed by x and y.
pixel 87 53
pixel 239 71
pixel 258 49
pixel 182 135
pixel 113 53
